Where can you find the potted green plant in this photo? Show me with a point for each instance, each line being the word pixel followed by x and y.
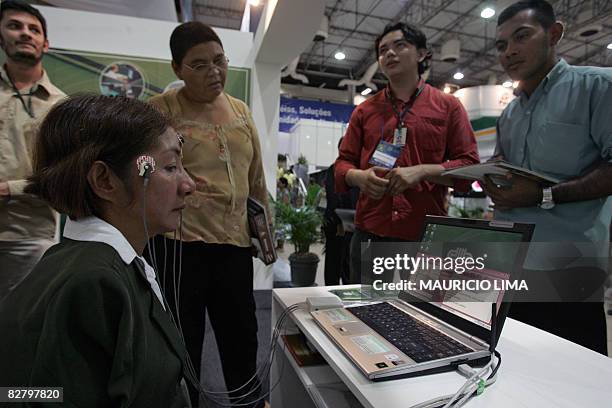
pixel 302 229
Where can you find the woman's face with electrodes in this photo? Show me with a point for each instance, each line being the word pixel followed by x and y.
pixel 167 188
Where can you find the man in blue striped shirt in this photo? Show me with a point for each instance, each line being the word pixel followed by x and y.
pixel 559 125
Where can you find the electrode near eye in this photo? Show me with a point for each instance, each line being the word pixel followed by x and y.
pixel 146 166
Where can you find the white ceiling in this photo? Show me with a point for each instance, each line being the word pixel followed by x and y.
pixel 153 9
pixel 354 25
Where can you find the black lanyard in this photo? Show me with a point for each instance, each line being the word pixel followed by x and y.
pixel 407 107
pixel 26 106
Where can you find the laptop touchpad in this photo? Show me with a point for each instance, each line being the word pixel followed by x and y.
pixel 352 328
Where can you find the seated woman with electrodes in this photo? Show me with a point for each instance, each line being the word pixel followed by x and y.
pixel 91 317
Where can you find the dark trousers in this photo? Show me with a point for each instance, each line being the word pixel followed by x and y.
pixel 337 250
pixel 361 270
pixel 582 322
pixel 217 278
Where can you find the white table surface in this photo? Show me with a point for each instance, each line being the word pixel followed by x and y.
pixel 538 369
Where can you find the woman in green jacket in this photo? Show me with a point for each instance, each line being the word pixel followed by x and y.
pixel 90 317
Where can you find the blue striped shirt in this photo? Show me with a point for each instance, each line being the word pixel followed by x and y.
pixel 563 129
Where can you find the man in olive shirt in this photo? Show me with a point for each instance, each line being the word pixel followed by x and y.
pixel 559 125
pixel 27 225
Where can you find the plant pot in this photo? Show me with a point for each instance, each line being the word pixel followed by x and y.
pixel 303 268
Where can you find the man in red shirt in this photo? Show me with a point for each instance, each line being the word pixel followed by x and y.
pixel 432 132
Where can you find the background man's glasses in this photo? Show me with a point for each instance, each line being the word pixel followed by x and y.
pixel 219 62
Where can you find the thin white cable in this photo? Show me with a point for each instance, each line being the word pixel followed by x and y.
pixel 266 367
pixel 165 259
pixel 474 378
pixel 462 392
pixel 271 352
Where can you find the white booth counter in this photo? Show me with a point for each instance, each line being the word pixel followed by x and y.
pixel 538 370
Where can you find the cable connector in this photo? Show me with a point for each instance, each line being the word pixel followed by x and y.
pixel 466 370
pixel 323 302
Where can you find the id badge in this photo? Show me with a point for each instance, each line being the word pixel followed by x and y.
pixel 385 155
pixel 399 136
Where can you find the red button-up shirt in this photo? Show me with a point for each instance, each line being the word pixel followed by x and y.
pixel 438 132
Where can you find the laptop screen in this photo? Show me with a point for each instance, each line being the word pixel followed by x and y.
pixel 497 247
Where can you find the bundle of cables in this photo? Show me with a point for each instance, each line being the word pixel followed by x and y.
pixel 475 385
pixel 251 389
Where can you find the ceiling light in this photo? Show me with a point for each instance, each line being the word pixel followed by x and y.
pixel 487 12
pixel 610 46
pixel 507 84
pixel 515 84
pixel 458 75
pixel 339 55
pixel 447 89
pixel 366 91
pixel 254 3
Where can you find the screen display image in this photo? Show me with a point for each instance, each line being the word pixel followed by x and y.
pixel 491 254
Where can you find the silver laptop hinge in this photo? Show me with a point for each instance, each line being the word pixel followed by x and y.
pixel 479 341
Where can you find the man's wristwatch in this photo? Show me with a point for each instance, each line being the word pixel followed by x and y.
pixel 547 199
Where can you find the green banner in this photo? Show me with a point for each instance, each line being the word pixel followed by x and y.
pixel 75 71
pixel 483 123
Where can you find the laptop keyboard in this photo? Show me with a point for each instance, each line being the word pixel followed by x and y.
pixel 414 338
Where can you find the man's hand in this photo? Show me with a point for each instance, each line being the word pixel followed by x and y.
pixel 523 192
pixel 403 178
pixel 5 192
pixel 368 181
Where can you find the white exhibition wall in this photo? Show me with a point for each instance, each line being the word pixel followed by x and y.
pixel 121 35
pixel 485 100
pixel 286 29
pixel 317 140
pixel 154 9
pixel 265 105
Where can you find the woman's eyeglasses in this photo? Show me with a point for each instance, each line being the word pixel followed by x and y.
pixel 220 62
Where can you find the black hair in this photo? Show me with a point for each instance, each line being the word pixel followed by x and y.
pixel 19 5
pixel 414 36
pixel 81 130
pixel 187 36
pixel 284 181
pixel 543 12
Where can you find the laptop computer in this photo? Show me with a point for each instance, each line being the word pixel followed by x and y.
pixel 420 333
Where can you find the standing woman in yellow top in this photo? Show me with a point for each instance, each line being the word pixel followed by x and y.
pixel 223 156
